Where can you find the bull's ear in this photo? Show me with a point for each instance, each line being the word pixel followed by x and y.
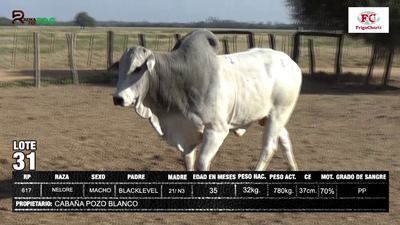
pixel 151 62
pixel 114 66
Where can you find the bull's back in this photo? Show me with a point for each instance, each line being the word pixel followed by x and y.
pixel 253 79
pixel 260 64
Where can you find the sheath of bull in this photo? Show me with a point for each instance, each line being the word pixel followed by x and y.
pixel 182 78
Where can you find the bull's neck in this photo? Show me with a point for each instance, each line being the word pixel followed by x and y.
pixel 166 62
pixel 165 87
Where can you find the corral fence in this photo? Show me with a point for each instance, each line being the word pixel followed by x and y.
pixel 79 57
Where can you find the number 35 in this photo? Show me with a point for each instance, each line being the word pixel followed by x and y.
pixel 213 190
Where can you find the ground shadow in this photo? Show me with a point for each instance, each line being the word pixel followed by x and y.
pixel 323 83
pixel 26 77
pixel 6 189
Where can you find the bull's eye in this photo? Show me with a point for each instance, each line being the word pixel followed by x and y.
pixel 137 70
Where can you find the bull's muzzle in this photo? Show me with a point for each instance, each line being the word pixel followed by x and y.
pixel 118 101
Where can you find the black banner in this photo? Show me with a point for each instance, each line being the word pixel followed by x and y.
pixel 155 191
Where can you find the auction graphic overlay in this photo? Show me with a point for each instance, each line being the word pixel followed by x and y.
pixel 154 191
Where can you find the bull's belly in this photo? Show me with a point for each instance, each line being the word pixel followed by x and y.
pixel 249 102
pixel 241 120
pixel 238 124
pixel 246 116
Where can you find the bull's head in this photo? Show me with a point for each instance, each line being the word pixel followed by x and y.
pixel 133 81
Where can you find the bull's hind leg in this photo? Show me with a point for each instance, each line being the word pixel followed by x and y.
pixel 284 140
pixel 274 124
pixel 269 144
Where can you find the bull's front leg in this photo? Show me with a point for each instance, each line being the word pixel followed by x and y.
pixel 186 142
pixel 188 157
pixel 213 137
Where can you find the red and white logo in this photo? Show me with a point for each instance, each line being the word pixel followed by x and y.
pixel 368 18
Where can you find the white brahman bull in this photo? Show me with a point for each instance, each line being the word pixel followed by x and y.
pixel 193 96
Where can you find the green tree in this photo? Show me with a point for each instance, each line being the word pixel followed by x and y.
pixel 83 20
pixel 5 21
pixel 333 15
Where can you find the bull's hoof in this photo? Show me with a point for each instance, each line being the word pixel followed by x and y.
pixel 239 132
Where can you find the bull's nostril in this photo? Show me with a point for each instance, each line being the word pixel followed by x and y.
pixel 118 101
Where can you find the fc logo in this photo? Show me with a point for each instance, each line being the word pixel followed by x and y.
pixel 368 18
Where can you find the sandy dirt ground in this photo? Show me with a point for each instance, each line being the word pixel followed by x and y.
pixel 78 128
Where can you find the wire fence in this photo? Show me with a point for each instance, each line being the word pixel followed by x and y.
pixel 90 52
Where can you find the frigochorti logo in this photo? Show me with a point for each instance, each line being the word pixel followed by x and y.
pixel 368 18
pixel 19 15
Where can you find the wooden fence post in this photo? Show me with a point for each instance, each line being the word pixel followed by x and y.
pixel 225 45
pixel 235 43
pixel 142 40
pixel 300 29
pixel 156 40
pixel 250 39
pixel 110 52
pixel 126 38
pixel 90 43
pixel 71 47
pixel 371 65
pixel 110 48
pixel 296 48
pixel 36 61
pixel 53 44
pixel 14 49
pixel 311 55
pixel 90 50
pixel 388 68
pixel 272 42
pixel 169 43
pixel 338 67
pixel 177 37
pixel 27 46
